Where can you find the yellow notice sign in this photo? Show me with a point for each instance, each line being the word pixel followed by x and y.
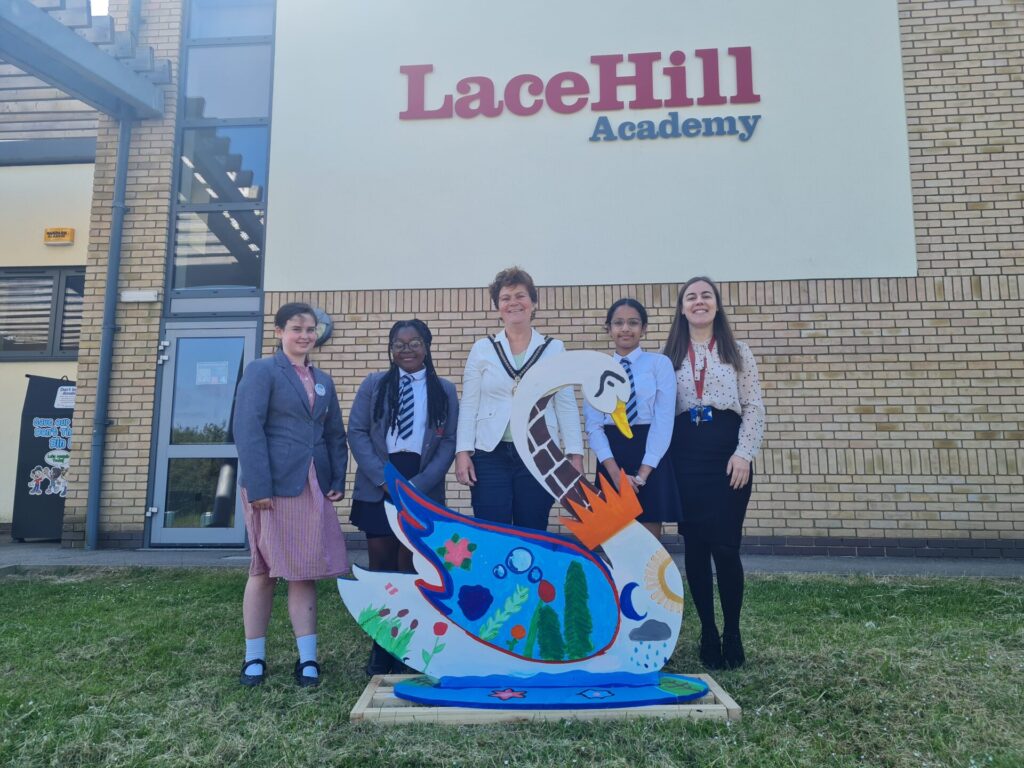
pixel 59 235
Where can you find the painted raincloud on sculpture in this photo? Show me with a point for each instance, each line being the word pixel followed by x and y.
pixel 534 613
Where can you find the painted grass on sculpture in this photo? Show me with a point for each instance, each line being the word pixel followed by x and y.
pixel 139 667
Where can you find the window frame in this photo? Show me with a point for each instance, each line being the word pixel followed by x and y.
pixel 183 124
pixel 59 276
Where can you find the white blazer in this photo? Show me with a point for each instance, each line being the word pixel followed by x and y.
pixel 486 404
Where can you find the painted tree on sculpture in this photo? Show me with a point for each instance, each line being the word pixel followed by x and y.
pixel 578 621
pixel 549 635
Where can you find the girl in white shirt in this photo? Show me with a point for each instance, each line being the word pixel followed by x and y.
pixel 650 410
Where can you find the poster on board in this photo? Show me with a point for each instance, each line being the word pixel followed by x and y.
pixel 44 459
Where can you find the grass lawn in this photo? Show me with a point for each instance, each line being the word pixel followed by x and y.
pixel 139 667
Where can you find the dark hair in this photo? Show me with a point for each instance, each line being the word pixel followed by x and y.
pixel 290 310
pixel 677 346
pixel 509 277
pixel 640 308
pixel 437 400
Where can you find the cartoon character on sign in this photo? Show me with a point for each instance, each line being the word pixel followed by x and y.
pixel 58 482
pixel 532 619
pixel 37 475
pixel 57 472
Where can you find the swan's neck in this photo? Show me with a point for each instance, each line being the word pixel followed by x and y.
pixel 558 475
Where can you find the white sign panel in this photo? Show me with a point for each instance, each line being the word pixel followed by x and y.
pixel 431 144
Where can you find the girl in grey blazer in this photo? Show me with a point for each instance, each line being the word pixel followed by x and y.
pixel 292 460
pixel 407 416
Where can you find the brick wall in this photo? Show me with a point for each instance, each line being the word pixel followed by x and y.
pixel 894 412
pixel 143 265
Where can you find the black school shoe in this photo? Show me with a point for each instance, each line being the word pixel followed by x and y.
pixel 711 649
pixel 304 681
pixel 732 651
pixel 380 661
pixel 251 681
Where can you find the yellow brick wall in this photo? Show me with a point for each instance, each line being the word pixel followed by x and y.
pixel 894 411
pixel 143 265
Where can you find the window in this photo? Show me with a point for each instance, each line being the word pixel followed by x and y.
pixel 40 312
pixel 223 149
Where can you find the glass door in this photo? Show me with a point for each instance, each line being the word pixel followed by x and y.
pixel 195 493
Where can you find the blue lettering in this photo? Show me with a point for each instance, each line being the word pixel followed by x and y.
pixel 669 127
pixel 645 130
pixel 603 130
pixel 627 131
pixel 691 127
pixel 749 124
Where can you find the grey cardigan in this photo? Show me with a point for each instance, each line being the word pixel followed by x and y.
pixel 368 441
pixel 277 434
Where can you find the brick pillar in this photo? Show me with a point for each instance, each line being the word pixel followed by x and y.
pixel 143 265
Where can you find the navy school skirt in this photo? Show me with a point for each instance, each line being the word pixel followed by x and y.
pixel 710 509
pixel 369 516
pixel 659 496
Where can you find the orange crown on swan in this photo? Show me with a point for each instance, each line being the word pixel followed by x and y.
pixel 609 512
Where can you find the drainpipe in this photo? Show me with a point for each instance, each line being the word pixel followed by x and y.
pixel 99 423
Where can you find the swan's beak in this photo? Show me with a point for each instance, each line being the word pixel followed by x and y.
pixel 619 417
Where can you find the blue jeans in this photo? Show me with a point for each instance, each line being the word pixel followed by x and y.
pixel 506 492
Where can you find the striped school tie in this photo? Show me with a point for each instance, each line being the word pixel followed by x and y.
pixel 631 403
pixel 405 408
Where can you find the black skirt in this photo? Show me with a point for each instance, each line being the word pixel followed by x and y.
pixel 658 497
pixel 710 509
pixel 369 516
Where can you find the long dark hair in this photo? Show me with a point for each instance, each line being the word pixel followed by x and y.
pixel 678 344
pixel 437 400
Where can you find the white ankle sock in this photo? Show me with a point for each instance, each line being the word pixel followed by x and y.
pixel 256 648
pixel 307 652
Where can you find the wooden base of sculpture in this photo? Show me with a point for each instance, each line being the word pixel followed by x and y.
pixel 379 704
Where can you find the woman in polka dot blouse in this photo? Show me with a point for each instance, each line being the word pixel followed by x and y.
pixel 718 429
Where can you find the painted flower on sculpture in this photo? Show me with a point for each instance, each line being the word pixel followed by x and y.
pixel 458 552
pixel 546 590
pixel 518 631
pixel 440 628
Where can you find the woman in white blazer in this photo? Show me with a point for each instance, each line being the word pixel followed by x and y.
pixel 502 488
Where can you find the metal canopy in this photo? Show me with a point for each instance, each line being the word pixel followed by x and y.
pixel 39 44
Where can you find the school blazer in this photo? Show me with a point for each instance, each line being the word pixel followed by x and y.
pixel 277 433
pixel 487 399
pixel 368 440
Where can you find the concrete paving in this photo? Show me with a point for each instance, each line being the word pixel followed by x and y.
pixel 19 556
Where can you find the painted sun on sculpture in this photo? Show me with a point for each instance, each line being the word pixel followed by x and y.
pixel 510 618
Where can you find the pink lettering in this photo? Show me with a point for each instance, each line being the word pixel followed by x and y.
pixel 567 84
pixel 416 109
pixel 514 95
pixel 676 75
pixel 712 89
pixel 478 102
pixel 568 92
pixel 744 76
pixel 642 81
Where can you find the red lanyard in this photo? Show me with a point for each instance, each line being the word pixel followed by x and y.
pixel 698 381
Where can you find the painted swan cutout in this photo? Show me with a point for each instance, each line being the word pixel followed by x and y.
pixel 492 600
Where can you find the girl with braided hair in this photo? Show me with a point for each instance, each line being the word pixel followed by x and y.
pixel 407 416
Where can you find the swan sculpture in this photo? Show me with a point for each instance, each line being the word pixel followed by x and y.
pixel 499 616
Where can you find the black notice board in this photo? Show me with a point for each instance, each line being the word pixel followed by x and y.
pixel 44 459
